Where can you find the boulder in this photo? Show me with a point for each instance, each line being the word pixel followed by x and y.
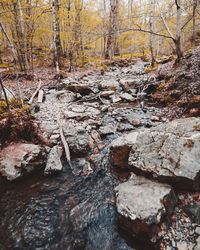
pixel 170 152
pixel 20 158
pixel 120 149
pixel 142 204
pixel 54 163
pixel 77 138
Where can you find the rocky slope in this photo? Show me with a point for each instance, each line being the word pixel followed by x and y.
pixel 180 84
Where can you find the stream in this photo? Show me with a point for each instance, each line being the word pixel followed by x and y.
pixel 74 210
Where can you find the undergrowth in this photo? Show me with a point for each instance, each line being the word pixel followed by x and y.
pixel 17 123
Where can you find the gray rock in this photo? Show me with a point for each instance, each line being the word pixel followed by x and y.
pixel 142 204
pixel 107 93
pixel 197 247
pixel 120 149
pixel 81 88
pixel 193 212
pixel 54 163
pixel 106 130
pixel 126 83
pixel 77 138
pixel 170 152
pixel 109 85
pixel 197 230
pixel 19 158
pixel 127 97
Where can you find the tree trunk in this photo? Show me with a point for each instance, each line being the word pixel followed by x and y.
pixel 194 21
pixel 177 40
pixel 22 38
pixel 5 95
pixel 56 36
pixel 179 51
pixel 151 36
pixel 112 40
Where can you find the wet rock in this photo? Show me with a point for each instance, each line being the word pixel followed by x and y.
pixel 127 97
pixel 77 138
pixel 81 166
pixel 170 152
pixel 54 163
pixel 19 159
pixel 193 212
pixel 110 84
pixel 142 204
pixel 120 149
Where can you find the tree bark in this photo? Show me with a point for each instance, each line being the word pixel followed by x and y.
pixel 56 36
pixel 112 40
pixel 177 41
pixel 194 7
pixel 151 28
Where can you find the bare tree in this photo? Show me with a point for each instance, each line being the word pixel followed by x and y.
pixel 56 36
pixel 151 28
pixel 112 40
pixel 194 8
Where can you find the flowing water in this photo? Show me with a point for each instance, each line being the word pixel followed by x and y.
pixel 64 211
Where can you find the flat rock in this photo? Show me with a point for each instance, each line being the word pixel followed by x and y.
pixel 127 97
pixel 120 149
pixel 81 88
pixel 108 129
pixel 142 203
pixel 107 93
pixel 19 158
pixel 110 84
pixel 170 152
pixel 54 163
pixel 77 138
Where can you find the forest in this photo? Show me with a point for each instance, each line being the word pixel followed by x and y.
pixel 67 34
pixel 100 124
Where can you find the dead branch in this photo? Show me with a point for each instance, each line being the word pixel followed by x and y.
pixel 64 142
pixel 35 93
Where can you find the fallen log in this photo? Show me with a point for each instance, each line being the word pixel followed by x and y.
pixel 40 96
pixel 35 93
pixel 64 142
